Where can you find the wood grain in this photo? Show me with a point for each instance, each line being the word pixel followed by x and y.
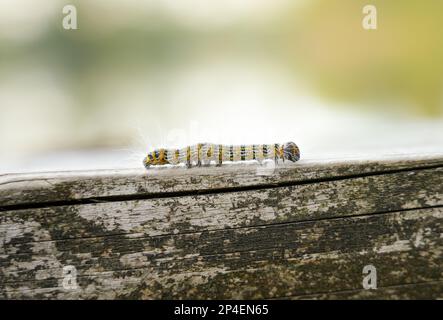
pixel 59 187
pixel 261 262
pixel 297 232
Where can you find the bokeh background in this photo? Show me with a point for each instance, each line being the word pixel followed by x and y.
pixel 143 74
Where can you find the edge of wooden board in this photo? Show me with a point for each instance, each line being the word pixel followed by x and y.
pixel 28 189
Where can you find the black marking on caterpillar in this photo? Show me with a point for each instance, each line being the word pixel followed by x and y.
pixel 204 153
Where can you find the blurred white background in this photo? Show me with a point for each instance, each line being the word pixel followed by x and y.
pixel 138 75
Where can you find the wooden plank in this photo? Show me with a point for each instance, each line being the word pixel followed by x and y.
pixel 151 217
pixel 299 258
pixel 299 231
pixel 61 187
pixel 416 291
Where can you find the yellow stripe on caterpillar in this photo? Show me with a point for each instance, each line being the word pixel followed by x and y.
pixel 204 153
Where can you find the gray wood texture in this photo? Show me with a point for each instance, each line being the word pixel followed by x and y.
pixel 298 231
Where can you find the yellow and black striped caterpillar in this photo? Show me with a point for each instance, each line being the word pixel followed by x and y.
pixel 204 153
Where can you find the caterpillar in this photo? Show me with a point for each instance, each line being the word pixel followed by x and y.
pixel 203 153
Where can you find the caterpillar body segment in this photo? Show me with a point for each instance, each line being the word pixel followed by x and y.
pixel 205 153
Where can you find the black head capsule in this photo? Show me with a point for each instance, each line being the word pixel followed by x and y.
pixel 147 161
pixel 291 151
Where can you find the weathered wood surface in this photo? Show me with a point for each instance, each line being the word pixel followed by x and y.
pixel 295 231
pixel 25 189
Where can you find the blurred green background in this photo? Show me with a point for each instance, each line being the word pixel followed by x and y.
pixel 143 74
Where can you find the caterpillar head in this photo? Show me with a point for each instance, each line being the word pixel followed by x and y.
pixel 291 152
pixel 148 161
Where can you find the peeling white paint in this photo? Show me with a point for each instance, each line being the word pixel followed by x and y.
pixel 397 246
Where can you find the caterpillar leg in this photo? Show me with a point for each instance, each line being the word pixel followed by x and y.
pixel 206 163
pixel 266 162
